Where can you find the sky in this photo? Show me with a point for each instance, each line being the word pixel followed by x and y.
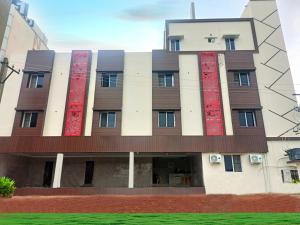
pixel 138 25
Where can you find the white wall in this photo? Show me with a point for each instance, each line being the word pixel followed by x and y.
pixel 55 112
pixel 191 113
pixel 137 95
pixel 225 95
pixel 272 53
pixel 277 160
pixel 20 39
pixel 91 96
pixel 218 181
pixel 195 35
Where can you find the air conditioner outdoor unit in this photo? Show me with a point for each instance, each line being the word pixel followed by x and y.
pixel 215 158
pixel 255 158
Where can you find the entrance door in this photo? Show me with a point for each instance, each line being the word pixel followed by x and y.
pixel 48 170
pixel 89 172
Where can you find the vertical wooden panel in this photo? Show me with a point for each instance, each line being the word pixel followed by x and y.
pixel 211 94
pixel 77 93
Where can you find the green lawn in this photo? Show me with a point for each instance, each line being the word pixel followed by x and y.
pixel 153 219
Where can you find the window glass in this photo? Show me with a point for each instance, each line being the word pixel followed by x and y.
pixel 33 120
pixel 29 119
pixel 111 119
pixel 242 119
pixel 26 119
pixel 32 81
pixel 103 119
pixel 170 119
pixel 230 43
pixel 105 80
pixel 236 77
pixel 113 80
pixel 250 119
pixel 162 119
pixel 161 80
pixel 295 175
pixel 228 163
pixel 244 79
pixel 40 81
pixel 169 80
pixel 175 45
pixel 237 163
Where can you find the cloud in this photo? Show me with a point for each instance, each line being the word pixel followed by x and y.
pixel 148 12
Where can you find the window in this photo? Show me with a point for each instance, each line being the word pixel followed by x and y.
pixel 290 176
pixel 211 39
pixel 242 78
pixel 29 119
pixel 166 80
pixel 247 118
pixel 35 81
pixel 233 163
pixel 108 80
pixel 107 120
pixel 230 43
pixel 166 119
pixel 175 45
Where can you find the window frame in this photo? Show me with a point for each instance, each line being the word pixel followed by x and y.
pixel 38 76
pixel 175 45
pixel 100 119
pixel 109 74
pixel 166 119
pixel 246 118
pixel 211 40
pixel 165 74
pixel 293 175
pixel 30 118
pixel 233 164
pixel 240 80
pixel 230 44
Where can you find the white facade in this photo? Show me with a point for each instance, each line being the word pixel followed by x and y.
pixel 275 88
pixel 19 38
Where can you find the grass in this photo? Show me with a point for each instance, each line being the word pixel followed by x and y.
pixel 153 219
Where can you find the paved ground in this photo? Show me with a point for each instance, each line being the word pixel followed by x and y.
pixel 152 204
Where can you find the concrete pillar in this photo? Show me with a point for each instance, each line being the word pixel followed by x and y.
pixel 131 170
pixel 58 170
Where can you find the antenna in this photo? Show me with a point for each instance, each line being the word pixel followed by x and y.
pixel 193 13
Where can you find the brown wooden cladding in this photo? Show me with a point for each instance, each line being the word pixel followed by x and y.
pixel 243 97
pixel 171 143
pixel 33 131
pixel 39 61
pixel 96 130
pixel 239 60
pixel 34 98
pixel 166 130
pixel 163 60
pixel 108 98
pixel 110 61
pixel 165 97
pixel 258 130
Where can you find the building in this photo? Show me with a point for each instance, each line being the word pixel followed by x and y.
pixel 213 112
pixel 18 34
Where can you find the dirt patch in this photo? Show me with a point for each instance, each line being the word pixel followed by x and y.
pixel 152 204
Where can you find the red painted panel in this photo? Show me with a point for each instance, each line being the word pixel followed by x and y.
pixel 211 94
pixel 77 89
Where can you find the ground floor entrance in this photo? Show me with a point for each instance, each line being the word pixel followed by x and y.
pixel 105 170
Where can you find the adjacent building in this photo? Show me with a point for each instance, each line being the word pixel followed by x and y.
pixel 213 112
pixel 18 34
